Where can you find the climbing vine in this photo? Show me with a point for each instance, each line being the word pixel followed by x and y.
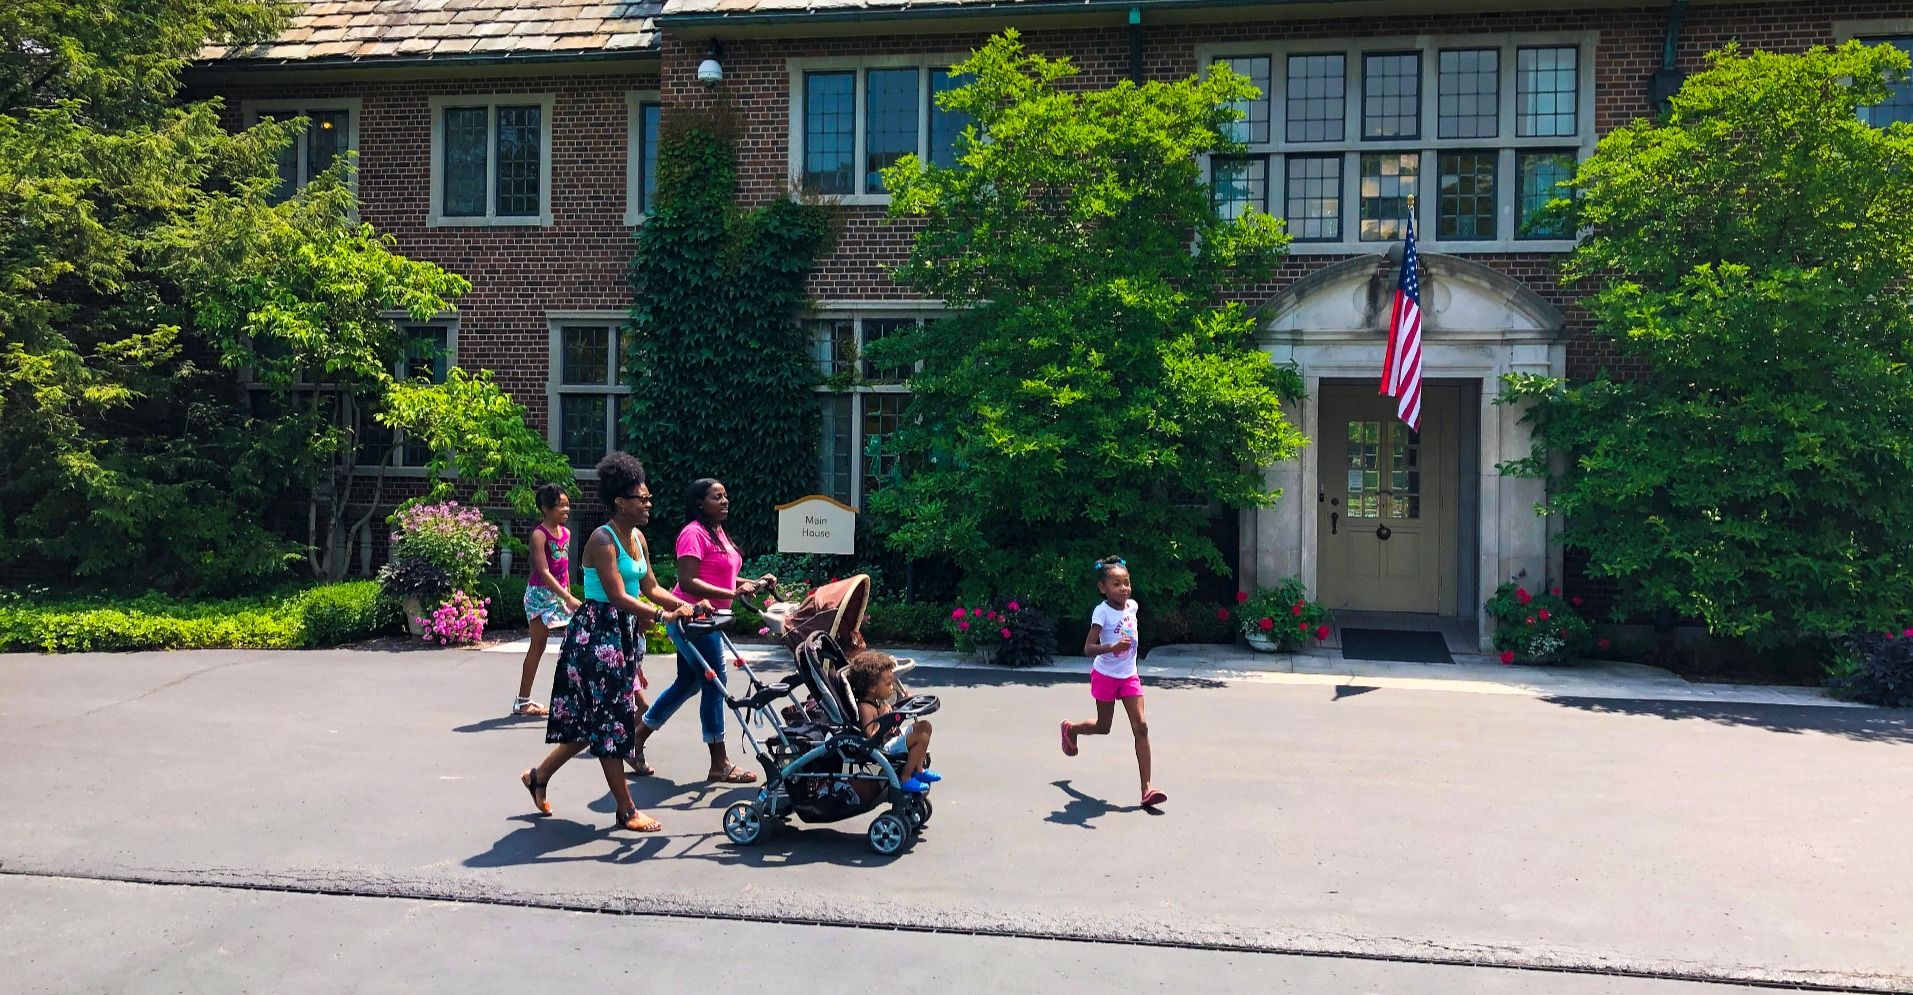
pixel 720 369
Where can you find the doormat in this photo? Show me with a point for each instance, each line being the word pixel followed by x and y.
pixel 1395 645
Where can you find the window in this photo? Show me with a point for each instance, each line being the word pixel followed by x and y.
pixel 588 393
pixel 1546 85
pixel 1314 206
pixel 491 161
pixel 1470 102
pixel 1467 209
pixel 331 131
pixel 850 121
pixel 1474 130
pixel 854 460
pixel 1391 96
pixel 1898 106
pixel 1541 172
pixel 428 356
pixel 1241 184
pixel 1253 128
pixel 641 162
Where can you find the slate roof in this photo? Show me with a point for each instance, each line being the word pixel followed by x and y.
pixel 373 31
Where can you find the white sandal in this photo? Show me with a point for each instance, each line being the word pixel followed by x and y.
pixel 524 706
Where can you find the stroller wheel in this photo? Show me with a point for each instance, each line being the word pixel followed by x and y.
pixel 920 810
pixel 742 823
pixel 888 833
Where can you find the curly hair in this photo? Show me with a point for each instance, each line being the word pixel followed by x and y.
pixel 867 669
pixel 618 474
pixel 547 495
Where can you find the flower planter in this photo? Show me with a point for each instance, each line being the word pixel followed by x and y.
pixel 414 612
pixel 1261 643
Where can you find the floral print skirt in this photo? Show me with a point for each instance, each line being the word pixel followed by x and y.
pixel 594 693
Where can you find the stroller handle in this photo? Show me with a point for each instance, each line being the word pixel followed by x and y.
pixel 709 620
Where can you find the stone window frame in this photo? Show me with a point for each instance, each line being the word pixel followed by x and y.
pixel 1427 206
pixel 435 216
pixel 253 110
pixel 555 387
pixel 922 310
pixel 1873 30
pixel 636 209
pixel 924 63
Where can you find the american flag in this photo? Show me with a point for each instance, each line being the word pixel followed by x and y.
pixel 1401 368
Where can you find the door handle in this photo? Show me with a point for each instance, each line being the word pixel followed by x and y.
pixel 1333 517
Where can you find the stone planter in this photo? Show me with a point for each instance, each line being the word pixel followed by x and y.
pixel 413 612
pixel 1261 643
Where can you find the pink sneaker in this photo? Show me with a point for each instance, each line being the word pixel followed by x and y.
pixel 1069 741
pixel 1153 797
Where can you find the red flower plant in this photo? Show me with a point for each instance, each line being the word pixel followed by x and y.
pixel 1266 624
pixel 1013 606
pixel 1602 643
pixel 1321 632
pixel 1241 596
pixel 1521 594
pixel 1530 619
pixel 1577 601
pixel 957 614
pixel 963 626
pixel 1005 631
pixel 1507 656
pixel 1223 614
pixel 1296 609
pixel 1555 591
pixel 1542 614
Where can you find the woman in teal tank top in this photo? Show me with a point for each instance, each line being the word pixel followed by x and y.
pixel 595 692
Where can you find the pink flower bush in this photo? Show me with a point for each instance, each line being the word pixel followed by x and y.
pixel 461 619
pixel 963 626
pixel 959 613
pixel 1241 597
pixel 1004 632
pixel 1013 606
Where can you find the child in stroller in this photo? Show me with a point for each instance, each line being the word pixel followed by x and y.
pixel 873 681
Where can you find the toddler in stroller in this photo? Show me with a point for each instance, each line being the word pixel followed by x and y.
pixel 820 762
pixel 873 681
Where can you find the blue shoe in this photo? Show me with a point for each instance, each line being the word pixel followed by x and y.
pixel 915 786
pixel 929 776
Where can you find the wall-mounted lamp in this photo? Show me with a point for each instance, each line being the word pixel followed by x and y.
pixel 710 72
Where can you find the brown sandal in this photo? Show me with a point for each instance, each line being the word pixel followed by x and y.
pixel 639 768
pixel 638 822
pixel 732 775
pixel 537 788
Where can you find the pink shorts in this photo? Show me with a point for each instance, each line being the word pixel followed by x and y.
pixel 1103 687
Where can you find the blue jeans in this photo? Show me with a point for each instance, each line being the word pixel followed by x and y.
pixel 690 681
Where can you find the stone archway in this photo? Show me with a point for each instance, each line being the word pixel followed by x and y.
pixel 1479 324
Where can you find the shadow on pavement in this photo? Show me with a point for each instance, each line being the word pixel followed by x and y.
pixel 543 836
pixel 1082 808
pixel 1866 725
pixel 501 722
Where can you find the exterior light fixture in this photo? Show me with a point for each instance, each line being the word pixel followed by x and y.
pixel 710 72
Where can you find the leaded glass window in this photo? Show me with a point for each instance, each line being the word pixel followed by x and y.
pixel 591 395
pixel 946 127
pixel 465 146
pixel 1388 180
pixel 1391 95
pixel 1241 184
pixel 830 132
pixel 890 122
pixel 1253 127
pixel 1467 209
pixel 1540 173
pixel 1547 87
pixel 1469 105
pixel 1316 99
pixel 1898 106
pixel 1314 202
pixel 520 151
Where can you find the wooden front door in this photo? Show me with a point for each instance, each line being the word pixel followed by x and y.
pixel 1387 504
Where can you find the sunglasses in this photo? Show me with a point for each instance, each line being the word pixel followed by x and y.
pixel 640 498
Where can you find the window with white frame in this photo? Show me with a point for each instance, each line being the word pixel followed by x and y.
pixel 641 163
pixel 1898 106
pixel 851 119
pixel 491 160
pixel 1475 131
pixel 331 132
pixel 429 349
pixel 588 390
pixel 855 459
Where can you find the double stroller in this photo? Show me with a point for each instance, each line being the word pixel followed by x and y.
pixel 819 763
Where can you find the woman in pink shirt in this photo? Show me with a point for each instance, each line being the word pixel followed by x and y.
pixel 708 564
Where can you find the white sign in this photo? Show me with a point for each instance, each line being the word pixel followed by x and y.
pixel 816 524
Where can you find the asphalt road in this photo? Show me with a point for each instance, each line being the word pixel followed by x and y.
pixel 374 796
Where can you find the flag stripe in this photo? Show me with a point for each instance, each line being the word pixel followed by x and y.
pixel 1401 364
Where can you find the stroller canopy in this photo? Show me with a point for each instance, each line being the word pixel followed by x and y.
pixel 835 609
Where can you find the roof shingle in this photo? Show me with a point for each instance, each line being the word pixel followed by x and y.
pixel 368 30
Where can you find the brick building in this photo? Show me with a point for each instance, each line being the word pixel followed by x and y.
pixel 513 142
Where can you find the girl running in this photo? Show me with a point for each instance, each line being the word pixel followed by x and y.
pixel 1113 677
pixel 549 603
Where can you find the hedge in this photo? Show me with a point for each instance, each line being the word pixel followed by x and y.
pixel 319 616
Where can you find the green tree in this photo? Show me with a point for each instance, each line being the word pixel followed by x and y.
pixel 721 374
pixel 1752 252
pixel 1088 394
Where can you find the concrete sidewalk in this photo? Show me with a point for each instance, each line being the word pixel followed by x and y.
pixel 1467 675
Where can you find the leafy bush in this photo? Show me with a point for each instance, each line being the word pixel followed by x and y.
pixel 321 616
pixel 455 538
pixel 1750 256
pixel 1536 628
pixel 345 613
pixel 1877 670
pixel 1012 635
pixel 1285 614
pixel 507 595
pixel 414 576
pixel 1193 622
pixel 921 624
pixel 798 573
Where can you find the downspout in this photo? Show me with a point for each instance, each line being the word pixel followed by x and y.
pixel 1135 45
pixel 1667 80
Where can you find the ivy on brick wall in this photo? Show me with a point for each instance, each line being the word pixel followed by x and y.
pixel 721 373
